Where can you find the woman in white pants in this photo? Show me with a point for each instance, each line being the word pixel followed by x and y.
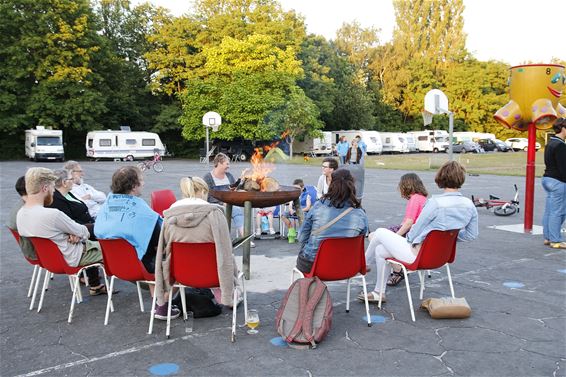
pixel 450 210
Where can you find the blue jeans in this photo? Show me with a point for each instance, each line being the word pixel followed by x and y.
pixel 342 159
pixel 555 208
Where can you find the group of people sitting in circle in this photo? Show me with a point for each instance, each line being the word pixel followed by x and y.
pixel 59 206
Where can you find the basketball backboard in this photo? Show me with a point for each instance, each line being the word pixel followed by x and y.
pixel 212 119
pixel 436 102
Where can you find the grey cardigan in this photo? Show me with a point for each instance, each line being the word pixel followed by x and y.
pixel 210 182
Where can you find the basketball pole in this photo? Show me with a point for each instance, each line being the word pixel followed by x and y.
pixel 530 179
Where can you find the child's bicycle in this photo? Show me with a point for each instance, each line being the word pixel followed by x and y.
pixel 155 164
pixel 500 207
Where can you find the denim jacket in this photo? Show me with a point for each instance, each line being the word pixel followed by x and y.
pixel 351 225
pixel 450 210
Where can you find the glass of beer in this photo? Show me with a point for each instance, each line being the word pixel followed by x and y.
pixel 252 321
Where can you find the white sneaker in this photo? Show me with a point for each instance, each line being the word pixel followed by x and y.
pixel 252 244
pixel 258 233
pixel 272 231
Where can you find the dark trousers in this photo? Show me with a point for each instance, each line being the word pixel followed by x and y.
pixel 304 265
pixel 148 259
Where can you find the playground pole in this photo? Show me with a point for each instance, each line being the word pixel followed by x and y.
pixel 530 179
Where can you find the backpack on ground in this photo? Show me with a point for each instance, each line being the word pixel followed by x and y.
pixel 305 315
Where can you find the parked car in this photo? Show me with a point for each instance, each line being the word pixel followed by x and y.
pixel 488 145
pixel 466 147
pixel 501 146
pixel 520 143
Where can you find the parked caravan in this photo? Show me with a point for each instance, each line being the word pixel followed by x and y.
pixel 411 142
pixel 127 145
pixel 320 146
pixel 371 138
pixel 431 141
pixel 394 142
pixel 472 136
pixel 42 144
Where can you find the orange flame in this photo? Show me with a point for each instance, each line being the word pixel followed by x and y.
pixel 260 168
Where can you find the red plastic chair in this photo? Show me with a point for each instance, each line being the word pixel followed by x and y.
pixel 52 260
pixel 36 274
pixel 161 200
pixel 438 249
pixel 340 259
pixel 194 265
pixel 121 261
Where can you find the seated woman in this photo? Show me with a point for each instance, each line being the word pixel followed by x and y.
pixel 193 219
pixel 411 188
pixel 449 210
pixel 69 204
pixel 340 200
pixel 125 215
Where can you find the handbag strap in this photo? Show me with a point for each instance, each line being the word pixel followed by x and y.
pixel 332 222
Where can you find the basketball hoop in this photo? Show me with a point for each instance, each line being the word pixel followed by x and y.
pixel 427 118
pixel 215 127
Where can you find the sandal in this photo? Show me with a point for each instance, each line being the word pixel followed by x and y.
pixel 395 278
pixel 373 296
pixel 100 291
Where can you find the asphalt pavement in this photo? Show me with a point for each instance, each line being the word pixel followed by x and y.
pixel 515 286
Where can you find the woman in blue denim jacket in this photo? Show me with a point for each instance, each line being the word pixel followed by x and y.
pixel 341 195
pixel 449 210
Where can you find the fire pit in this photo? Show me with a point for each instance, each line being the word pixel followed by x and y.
pixel 255 189
pixel 259 199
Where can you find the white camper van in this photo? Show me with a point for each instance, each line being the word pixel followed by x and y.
pixel 394 142
pixel 127 145
pixel 320 146
pixel 431 141
pixel 42 144
pixel 371 138
pixel 411 142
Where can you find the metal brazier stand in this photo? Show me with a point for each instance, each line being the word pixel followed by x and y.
pixel 255 199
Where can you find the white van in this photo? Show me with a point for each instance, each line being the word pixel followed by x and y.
pixel 127 145
pixel 320 146
pixel 371 138
pixel 411 142
pixel 431 141
pixel 394 142
pixel 42 144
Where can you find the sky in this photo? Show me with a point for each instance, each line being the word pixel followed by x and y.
pixel 511 31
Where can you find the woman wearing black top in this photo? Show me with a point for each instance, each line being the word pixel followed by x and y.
pixel 66 202
pixel 554 183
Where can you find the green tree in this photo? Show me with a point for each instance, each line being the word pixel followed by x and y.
pixel 298 116
pixel 47 73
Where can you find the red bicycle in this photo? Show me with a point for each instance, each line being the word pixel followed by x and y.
pixel 155 164
pixel 500 207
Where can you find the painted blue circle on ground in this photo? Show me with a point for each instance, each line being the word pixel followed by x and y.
pixel 278 341
pixel 513 284
pixel 562 271
pixel 375 318
pixel 164 369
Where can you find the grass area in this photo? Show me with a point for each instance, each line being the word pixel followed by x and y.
pixel 510 163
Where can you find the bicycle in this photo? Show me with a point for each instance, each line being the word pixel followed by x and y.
pixel 500 207
pixel 155 164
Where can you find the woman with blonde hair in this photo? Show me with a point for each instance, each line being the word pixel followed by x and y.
pixel 194 220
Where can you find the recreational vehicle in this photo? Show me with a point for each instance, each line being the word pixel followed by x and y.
pixel 394 142
pixel 320 146
pixel 411 142
pixel 42 144
pixel 371 138
pixel 431 141
pixel 127 145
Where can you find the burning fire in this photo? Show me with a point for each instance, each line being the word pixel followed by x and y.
pixel 260 168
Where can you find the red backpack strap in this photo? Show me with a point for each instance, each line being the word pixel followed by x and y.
pixel 309 311
pixel 304 285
